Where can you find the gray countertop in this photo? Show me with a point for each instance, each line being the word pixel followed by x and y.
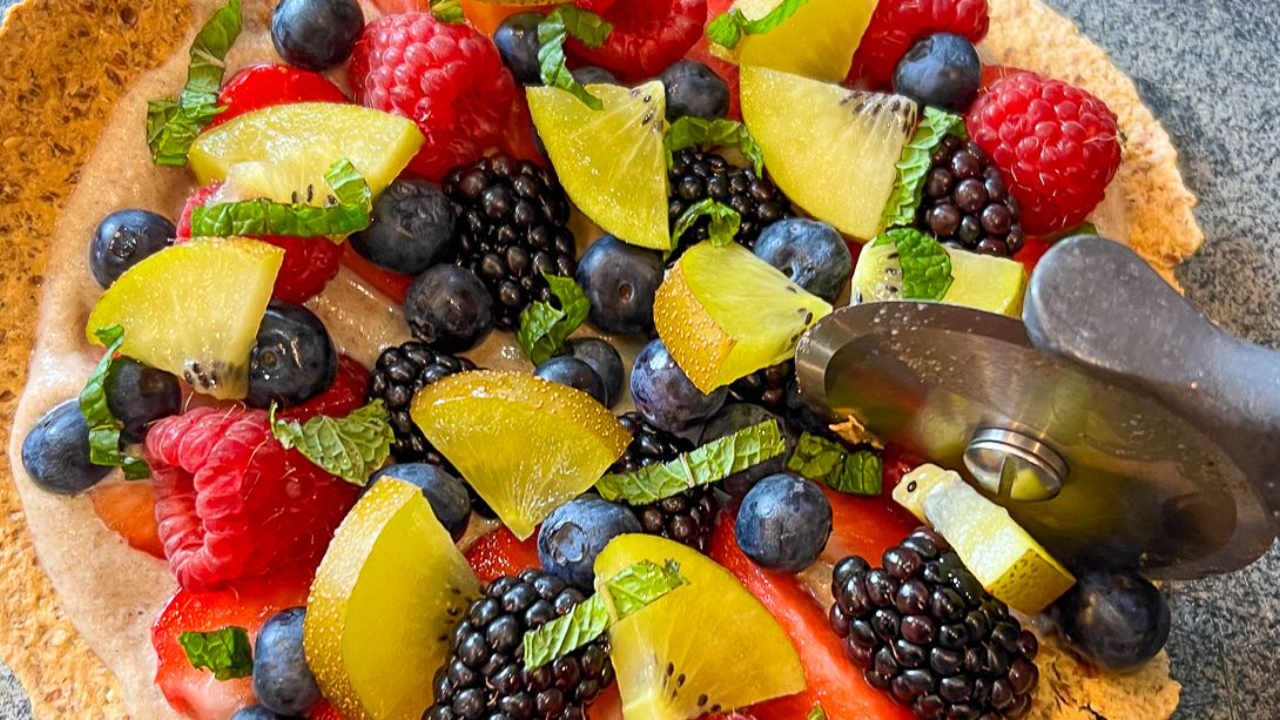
pixel 1209 70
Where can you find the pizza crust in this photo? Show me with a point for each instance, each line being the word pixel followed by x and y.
pixel 57 94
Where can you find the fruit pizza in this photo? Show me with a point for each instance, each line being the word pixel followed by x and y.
pixel 436 359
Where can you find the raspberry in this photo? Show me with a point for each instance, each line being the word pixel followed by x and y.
pixel 344 396
pixel 449 79
pixel 264 85
pixel 232 503
pixel 896 25
pixel 309 263
pixel 647 37
pixel 1057 145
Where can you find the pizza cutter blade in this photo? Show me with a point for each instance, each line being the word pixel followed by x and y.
pixel 1116 423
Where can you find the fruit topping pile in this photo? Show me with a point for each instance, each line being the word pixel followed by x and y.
pixel 636 210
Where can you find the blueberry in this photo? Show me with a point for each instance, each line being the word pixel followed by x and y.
pixel 730 420
pixel 592 75
pixel 620 280
pixel 517 41
pixel 574 373
pixel 605 360
pixel 784 523
pixel 665 396
pixel 123 239
pixel 139 395
pixel 576 532
pixel 56 452
pixel 412 224
pixel 449 308
pixel 293 359
pixel 812 254
pixel 1119 620
pixel 941 70
pixel 257 712
pixel 281 678
pixel 694 90
pixel 316 34
pixel 446 494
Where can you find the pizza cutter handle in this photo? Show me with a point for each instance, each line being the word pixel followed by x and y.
pixel 1096 304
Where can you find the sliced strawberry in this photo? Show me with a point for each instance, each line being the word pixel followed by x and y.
pixel 264 85
pixel 864 526
pixel 196 693
pixel 394 285
pixel 345 395
pixel 129 509
pixel 1032 250
pixel 834 681
pixel 325 711
pixel 501 553
pixel 517 139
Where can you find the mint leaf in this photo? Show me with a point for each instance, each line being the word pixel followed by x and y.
pixel 703 465
pixel 855 473
pixel 630 590
pixel 347 211
pixel 226 652
pixel 817 713
pixel 353 447
pixel 583 25
pixel 926 265
pixel 722 228
pixel 728 29
pixel 172 125
pixel 688 132
pixel 104 426
pixel 913 168
pixel 448 11
pixel 544 327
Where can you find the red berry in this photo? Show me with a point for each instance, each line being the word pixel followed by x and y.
pixel 309 263
pixel 345 395
pixel 864 526
pixel 129 510
pixel 264 85
pixel 232 503
pixel 833 679
pixel 647 37
pixel 325 711
pixel 449 79
pixel 196 693
pixel 896 25
pixel 1057 145
pixel 394 285
pixel 501 553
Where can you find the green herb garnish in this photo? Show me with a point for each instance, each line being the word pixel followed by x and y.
pixel 913 168
pixel 448 11
pixel 226 652
pixel 347 211
pixel 564 22
pixel 690 132
pixel 728 29
pixel 724 221
pixel 544 327
pixel 104 426
pixel 353 447
pixel 857 472
pixel 926 265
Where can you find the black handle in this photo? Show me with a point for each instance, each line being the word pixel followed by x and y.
pixel 1094 303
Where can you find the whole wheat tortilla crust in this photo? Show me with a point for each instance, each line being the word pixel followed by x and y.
pixel 67 61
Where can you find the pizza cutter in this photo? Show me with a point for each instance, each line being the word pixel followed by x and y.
pixel 1115 422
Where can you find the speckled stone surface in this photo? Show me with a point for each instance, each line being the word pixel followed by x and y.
pixel 1210 72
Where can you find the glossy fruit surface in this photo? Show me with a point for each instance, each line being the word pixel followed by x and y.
pixel 517 41
pixel 123 239
pixel 983 282
pixel 620 280
pixel 665 395
pixel 611 161
pixel 574 373
pixel 267 84
pixel 816 42
pixel 1008 562
pixel 696 632
pixel 941 70
pixel 138 396
pixel 602 357
pixel 725 313
pixel 281 679
pixel 1117 620
pixel 810 253
pixel 449 308
pixel 129 509
pixel 193 310
pixel 293 358
pixel 195 692
pixel 55 452
pixel 647 37
pixel 784 522
pixel 500 553
pixel 288 148
pixel 315 34
pixel 556 441
pixel 575 533
pixel 411 227
pixel 384 601
pixel 838 160
pixel 694 90
pixel 445 493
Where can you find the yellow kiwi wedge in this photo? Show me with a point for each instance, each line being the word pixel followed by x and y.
pixel 818 41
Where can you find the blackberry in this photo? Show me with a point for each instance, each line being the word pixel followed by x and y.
pixel 928 634
pixel 513 226
pixel 766 387
pixel 966 203
pixel 695 175
pixel 485 676
pixel 687 518
pixel 400 373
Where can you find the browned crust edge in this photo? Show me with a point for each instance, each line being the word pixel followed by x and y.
pixel 78 56
pixel 65 64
